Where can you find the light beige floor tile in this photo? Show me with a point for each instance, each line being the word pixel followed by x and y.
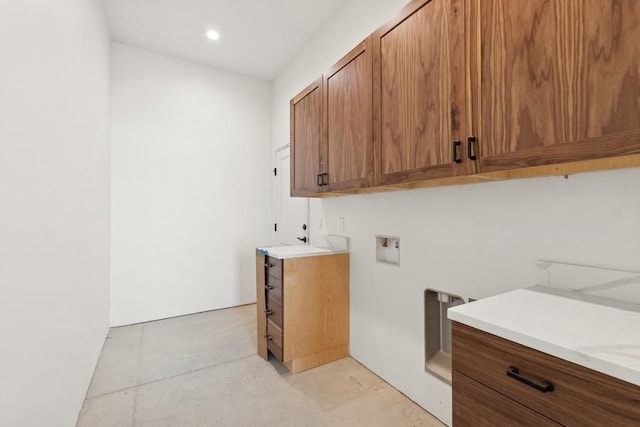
pixel 202 370
pixel 245 392
pixel 336 384
pixel 188 343
pixel 111 410
pixel 119 363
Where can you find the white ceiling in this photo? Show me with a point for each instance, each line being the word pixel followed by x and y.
pixel 258 37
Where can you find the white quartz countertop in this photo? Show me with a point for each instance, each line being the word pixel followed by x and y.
pixel 604 338
pixel 299 251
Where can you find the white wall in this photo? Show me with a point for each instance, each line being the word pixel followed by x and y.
pixel 54 206
pixel 191 185
pixel 473 240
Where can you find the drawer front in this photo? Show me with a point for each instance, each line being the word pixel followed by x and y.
pixel 274 312
pixel 580 397
pixel 273 288
pixel 475 405
pixel 273 266
pixel 274 339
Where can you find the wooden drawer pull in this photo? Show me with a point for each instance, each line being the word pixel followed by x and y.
pixel 545 387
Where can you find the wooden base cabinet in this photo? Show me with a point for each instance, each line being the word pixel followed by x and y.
pixel 303 309
pixel 498 382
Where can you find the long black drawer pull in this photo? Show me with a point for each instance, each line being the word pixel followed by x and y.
pixel 545 387
pixel 319 179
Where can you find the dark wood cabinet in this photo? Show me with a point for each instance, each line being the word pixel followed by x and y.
pixel 419 94
pixel 347 153
pixel 306 138
pixel 460 91
pixel 485 368
pixel 303 309
pixel 331 134
pixel 476 405
pixel 556 80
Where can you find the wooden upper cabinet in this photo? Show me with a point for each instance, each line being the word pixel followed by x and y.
pixel 306 138
pixel 347 154
pixel 419 93
pixel 556 80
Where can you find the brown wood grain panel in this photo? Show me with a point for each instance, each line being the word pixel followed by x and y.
pixel 594 148
pixel 558 80
pixel 582 397
pixel 476 405
pixel 419 92
pixel 306 124
pixel 260 305
pixel 316 359
pixel 274 310
pixel 347 157
pixel 316 310
pixel 607 163
pixel 274 340
pixel 274 290
pixel 274 267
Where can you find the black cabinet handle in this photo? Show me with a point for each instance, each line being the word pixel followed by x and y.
pixel 324 178
pixel 268 287
pixel 456 152
pixel 471 149
pixel 268 312
pixel 268 337
pixel 319 179
pixel 544 387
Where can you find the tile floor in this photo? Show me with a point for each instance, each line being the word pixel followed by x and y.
pixel 202 370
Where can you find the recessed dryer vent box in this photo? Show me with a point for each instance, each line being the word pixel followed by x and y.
pixel 388 250
pixel 437 332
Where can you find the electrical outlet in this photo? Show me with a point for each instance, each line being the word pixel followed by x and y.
pixel 341 224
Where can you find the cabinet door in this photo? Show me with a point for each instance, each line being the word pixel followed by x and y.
pixel 419 93
pixel 306 137
pixel 347 155
pixel 557 80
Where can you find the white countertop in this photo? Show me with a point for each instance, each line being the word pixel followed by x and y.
pixel 299 251
pixel 600 337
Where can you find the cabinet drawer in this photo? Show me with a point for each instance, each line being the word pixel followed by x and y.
pixel 273 288
pixel 274 339
pixel 581 396
pixel 274 267
pixel 274 311
pixel 475 405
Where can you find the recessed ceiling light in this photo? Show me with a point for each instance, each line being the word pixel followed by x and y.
pixel 213 35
